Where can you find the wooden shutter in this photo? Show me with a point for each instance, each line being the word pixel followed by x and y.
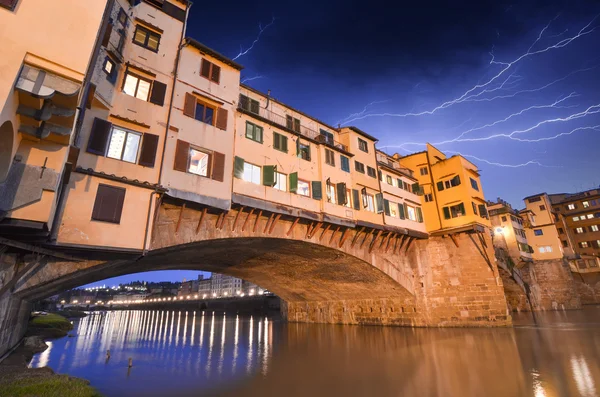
pixel 401 211
pixel 317 190
pixel 419 215
pixel 90 96
pixel 342 198
pixel 446 212
pixel 218 170
pixel 355 199
pixel 483 210
pixel 386 207
pixel 254 106
pixel 99 136
pixel 108 206
pixel 189 107
pixel 462 208
pixel 106 38
pixel 269 175
pixel 379 203
pixel 215 74
pixel 205 69
pixel 456 180
pixel 182 154
pixel 297 125
pixel 148 151
pixel 238 167
pixel 221 119
pixel 293 182
pixel 157 96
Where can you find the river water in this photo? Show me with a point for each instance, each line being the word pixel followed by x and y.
pixel 179 353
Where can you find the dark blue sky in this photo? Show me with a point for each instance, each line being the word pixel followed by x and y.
pixel 331 59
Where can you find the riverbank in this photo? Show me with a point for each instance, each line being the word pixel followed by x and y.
pixel 16 379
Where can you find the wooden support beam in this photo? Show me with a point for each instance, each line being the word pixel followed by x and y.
pixel 309 227
pixel 482 239
pixel 202 215
pixel 268 222
pixel 482 253
pixel 365 238
pixel 343 237
pixel 256 221
pixel 220 220
pixel 247 218
pixel 315 229
pixel 333 235
pixel 179 219
pixel 289 232
pixel 410 240
pixel 236 218
pixel 404 238
pixel 395 244
pixel 324 231
pixel 453 238
pixel 383 239
pixel 274 223
pixel 387 246
pixel 355 239
pixel 373 241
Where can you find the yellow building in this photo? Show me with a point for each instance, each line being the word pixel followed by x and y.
pixel 450 189
pixel 540 227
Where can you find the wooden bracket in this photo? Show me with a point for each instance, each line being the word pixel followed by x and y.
pixel 179 219
pixel 256 221
pixel 247 218
pixel 343 237
pixel 404 238
pixel 482 252
pixel 355 239
pixel 387 246
pixel 268 222
pixel 365 238
pixel 410 240
pixel 315 229
pixel 384 239
pixel 289 232
pixel 333 235
pixel 373 241
pixel 221 220
pixel 236 218
pixel 453 238
pixel 395 244
pixel 202 215
pixel 274 223
pixel 324 231
pixel 309 227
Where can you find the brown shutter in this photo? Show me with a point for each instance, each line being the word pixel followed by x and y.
pixel 108 206
pixel 222 119
pixel 106 38
pixel 182 153
pixel 215 74
pixel 157 96
pixel 189 107
pixel 99 136
pixel 148 152
pixel 205 69
pixel 90 96
pixel 218 171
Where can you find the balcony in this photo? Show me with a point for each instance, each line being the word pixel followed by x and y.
pixel 282 121
pixel 382 158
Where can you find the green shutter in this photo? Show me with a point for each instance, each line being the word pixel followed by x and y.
pixel 356 199
pixel 386 205
pixel 440 186
pixel 379 203
pixel 446 213
pixel 293 182
pixel 419 215
pixel 269 175
pixel 341 193
pixel 283 143
pixel 401 211
pixel 415 188
pixel 317 190
pixel 238 167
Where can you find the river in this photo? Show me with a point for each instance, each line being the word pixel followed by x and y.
pixel 179 353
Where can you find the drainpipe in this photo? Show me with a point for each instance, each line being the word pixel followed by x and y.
pixel 433 187
pixel 80 113
pixel 268 99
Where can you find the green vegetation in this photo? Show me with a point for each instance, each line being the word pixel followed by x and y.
pixel 48 386
pixel 71 313
pixel 49 326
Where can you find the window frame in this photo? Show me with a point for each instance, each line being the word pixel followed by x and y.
pixel 538 232
pixel 308 186
pixel 278 177
pixel 282 138
pixel 148 34
pixel 209 165
pixel 211 67
pixel 424 171
pixel 127 132
pixel 360 169
pixel 369 172
pixel 329 157
pixel 389 180
pixel 344 163
pixel 299 150
pixel 259 182
pixel 255 127
pixel 474 184
pixel 113 66
pixel 137 86
pixel 363 145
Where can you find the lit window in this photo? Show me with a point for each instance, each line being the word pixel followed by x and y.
pixel 571 207
pixel 199 162
pixel 146 38
pixel 123 145
pixel 585 204
pixel 538 232
pixel 590 216
pixel 579 230
pixel 370 201
pixel 331 193
pixel 594 228
pixel 136 86
pixel 280 181
pixel 108 67
pixel 575 218
pixel 303 188
pixel 394 209
pixel 251 173
pixel 583 244
pixel 411 213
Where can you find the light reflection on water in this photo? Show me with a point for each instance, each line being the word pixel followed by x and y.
pixel 206 354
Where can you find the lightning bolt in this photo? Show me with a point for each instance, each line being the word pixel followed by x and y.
pixel 481 88
pixel 362 112
pixel 247 79
pixel 549 138
pixel 260 32
pixel 530 162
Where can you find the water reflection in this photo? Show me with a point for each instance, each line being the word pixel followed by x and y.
pixel 206 353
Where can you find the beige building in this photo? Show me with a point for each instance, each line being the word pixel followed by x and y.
pixel 539 222
pixel 508 224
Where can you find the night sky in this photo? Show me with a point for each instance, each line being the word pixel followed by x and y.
pixel 407 73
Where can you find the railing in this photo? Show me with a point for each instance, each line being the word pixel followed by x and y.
pixel 393 164
pixel 283 121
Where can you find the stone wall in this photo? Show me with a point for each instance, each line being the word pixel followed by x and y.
pixel 551 285
pixel 588 287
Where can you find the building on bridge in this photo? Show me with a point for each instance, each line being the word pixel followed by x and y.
pixel 540 227
pixel 507 225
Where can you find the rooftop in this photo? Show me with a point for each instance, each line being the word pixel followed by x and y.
pixel 207 50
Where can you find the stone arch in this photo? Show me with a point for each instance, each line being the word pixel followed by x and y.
pixel 6 147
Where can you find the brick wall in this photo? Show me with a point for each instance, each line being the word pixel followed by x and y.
pixel 551 284
pixel 588 287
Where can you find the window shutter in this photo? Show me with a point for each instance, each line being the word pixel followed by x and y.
pixel 205 68
pixel 483 210
pixel 108 205
pixel 218 171
pixel 254 106
pixel 415 188
pixel 189 107
pixel 355 199
pixel 456 180
pixel 401 211
pixel 182 153
pixel 462 208
pixel 446 213
pixel 342 198
pixel 221 119
pixel 238 167
pixel 106 38
pixel 440 186
pixel 293 182
pixel 269 175
pixel 216 73
pixel 317 190
pixel 419 215
pixel 379 203
pixel 148 151
pixel 99 136
pixel 386 207
pixel 284 143
pixel 90 95
pixel 159 90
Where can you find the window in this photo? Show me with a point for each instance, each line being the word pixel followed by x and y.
pixel 575 218
pixel 474 208
pixel 108 205
pixel 199 162
pixel 292 123
pixel 578 230
pixel 583 244
pixel 205 113
pixel 455 181
pixel 454 211
pixel 423 171
pixel 411 213
pixel 571 207
pixel 254 132
pixel 428 197
pixel 108 67
pixel 371 172
pixel 146 38
pixel 565 243
pixel 280 181
pixel 406 187
pixel 593 202
pixel 9 4
pixel 325 136
pixel 503 219
pixel 362 145
pixel 360 167
pixel 251 173
pixel 122 18
pixel 345 163
pixel 542 208
pixel 348 199
pixel 594 228
pixel 538 232
pixel 474 184
pixel 370 202
pixel 330 189
pixel 585 204
pixel 249 104
pixel 534 199
pixel 303 188
pixel 589 216
pixel 545 249
pixel 280 142
pixel 123 145
pixel 329 157
pixel 210 71
pixel 136 86
pixel 303 150
pixel 560 230
pixel 389 180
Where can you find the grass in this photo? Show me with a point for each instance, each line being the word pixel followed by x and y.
pixel 51 386
pixel 71 313
pixel 49 326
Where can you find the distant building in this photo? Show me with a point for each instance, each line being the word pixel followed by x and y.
pixel 507 225
pixel 540 227
pixel 128 298
pixel 188 288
